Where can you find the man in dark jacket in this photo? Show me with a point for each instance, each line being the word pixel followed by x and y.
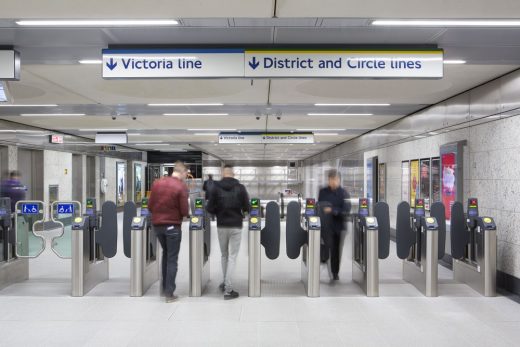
pixel 168 204
pixel 228 200
pixel 337 208
pixel 208 185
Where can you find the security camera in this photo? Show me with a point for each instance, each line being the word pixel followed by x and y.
pixel 257 117
pixel 278 117
pixel 134 118
pixel 114 117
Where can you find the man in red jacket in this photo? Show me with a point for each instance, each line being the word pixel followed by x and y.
pixel 168 204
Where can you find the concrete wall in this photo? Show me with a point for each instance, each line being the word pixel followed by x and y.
pixel 57 170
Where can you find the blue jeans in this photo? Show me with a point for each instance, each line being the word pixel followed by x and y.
pixel 170 239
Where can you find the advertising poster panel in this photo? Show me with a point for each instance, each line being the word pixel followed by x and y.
pixel 382 182
pixel 414 181
pixel 425 182
pixel 405 181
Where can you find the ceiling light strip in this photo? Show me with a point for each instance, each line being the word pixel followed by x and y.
pixel 448 22
pixel 99 22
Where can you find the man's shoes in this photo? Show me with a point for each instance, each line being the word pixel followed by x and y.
pixel 335 277
pixel 231 295
pixel 170 299
pixel 222 287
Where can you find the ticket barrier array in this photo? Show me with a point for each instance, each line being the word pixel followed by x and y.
pixel 371 242
pixel 141 246
pixel 200 247
pixel 420 243
pixel 269 237
pixel 12 268
pixel 474 248
pixel 303 231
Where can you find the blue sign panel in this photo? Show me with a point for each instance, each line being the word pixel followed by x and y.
pixel 65 208
pixel 30 209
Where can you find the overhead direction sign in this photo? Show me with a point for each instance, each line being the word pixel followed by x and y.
pixel 344 63
pixel 265 138
pixel 173 63
pixel 9 65
pixel 274 63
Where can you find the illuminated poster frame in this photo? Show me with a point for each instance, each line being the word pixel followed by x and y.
pixel 405 181
pixel 382 182
pixel 451 171
pixel 425 182
pixel 138 183
pixel 414 181
pixel 120 183
pixel 435 176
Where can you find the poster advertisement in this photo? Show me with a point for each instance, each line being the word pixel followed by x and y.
pixel 436 180
pixel 449 181
pixel 138 182
pixel 425 183
pixel 121 183
pixel 382 182
pixel 369 175
pixel 414 182
pixel 405 181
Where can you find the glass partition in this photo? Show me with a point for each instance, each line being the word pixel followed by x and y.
pixel 62 214
pixel 28 218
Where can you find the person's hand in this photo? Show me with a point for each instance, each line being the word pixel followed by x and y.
pixel 327 209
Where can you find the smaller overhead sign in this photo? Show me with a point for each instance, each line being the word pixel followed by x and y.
pixel 265 138
pixel 9 65
pixel 56 139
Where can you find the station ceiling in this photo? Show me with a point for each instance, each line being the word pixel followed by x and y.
pixel 51 73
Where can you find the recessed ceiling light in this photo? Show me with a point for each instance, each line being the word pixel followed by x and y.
pixel 90 61
pixel 351 104
pixel 320 129
pixel 433 133
pixel 29 105
pixel 340 114
pixel 448 22
pixel 419 136
pixel 107 130
pixel 211 129
pixel 493 117
pixel 98 22
pixel 203 104
pixel 454 62
pixel 52 114
pixel 195 114
pixel 205 134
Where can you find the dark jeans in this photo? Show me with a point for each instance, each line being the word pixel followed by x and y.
pixel 170 239
pixel 332 241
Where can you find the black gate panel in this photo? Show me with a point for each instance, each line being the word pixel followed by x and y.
pixel 382 213
pixel 207 233
pixel 458 231
pixel 270 235
pixel 106 236
pixel 129 212
pixel 326 230
pixel 437 210
pixel 295 236
pixel 405 236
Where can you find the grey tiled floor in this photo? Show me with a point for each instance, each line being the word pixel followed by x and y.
pixel 41 312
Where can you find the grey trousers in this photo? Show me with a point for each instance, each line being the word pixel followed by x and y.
pixel 229 240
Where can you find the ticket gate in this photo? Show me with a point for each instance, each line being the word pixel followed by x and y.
pixel 304 232
pixel 12 268
pixel 474 248
pixel 141 246
pixel 269 237
pixel 417 242
pixel 200 235
pixel 94 241
pixel 371 242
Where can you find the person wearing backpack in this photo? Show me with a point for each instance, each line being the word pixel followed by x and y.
pixel 228 200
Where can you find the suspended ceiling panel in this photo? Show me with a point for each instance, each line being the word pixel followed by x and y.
pixel 56 9
pixel 457 78
pixel 398 8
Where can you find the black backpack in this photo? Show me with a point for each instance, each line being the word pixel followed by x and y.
pixel 229 199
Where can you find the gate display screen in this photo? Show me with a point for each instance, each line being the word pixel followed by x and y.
pixel 363 207
pixel 199 207
pixel 472 207
pixel 419 207
pixel 310 207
